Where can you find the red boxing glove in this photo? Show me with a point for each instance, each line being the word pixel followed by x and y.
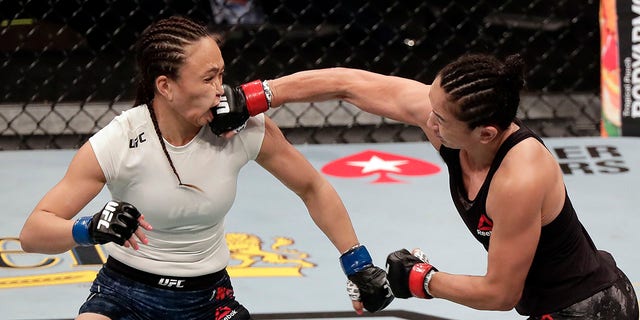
pixel 238 104
pixel 258 101
pixel 408 274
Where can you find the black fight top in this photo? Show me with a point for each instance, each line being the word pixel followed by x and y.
pixel 566 268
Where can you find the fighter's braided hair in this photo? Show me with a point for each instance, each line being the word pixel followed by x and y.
pixel 160 51
pixel 485 89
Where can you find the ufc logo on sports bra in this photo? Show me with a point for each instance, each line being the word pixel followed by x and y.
pixel 107 215
pixel 171 283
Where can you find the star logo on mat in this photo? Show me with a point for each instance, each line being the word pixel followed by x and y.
pixel 377 164
pixel 383 164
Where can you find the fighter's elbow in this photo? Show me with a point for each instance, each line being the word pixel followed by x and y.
pixel 506 301
pixel 312 189
pixel 25 242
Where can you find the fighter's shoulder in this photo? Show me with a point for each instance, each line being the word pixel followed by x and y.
pixel 529 162
pixel 133 118
pixel 527 151
pixel 129 126
pixel 256 122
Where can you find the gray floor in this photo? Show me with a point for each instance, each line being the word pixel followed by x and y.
pixel 415 211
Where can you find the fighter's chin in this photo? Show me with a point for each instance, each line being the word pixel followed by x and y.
pixel 204 122
pixel 208 117
pixel 443 141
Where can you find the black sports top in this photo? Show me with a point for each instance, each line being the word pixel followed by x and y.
pixel 566 268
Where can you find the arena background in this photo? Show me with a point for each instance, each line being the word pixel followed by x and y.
pixel 67 65
pixel 66 69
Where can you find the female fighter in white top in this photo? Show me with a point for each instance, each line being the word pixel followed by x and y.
pixel 173 164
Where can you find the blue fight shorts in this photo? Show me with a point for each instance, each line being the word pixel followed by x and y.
pixel 122 292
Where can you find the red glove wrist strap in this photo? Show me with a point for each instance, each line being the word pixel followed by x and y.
pixel 416 279
pixel 255 97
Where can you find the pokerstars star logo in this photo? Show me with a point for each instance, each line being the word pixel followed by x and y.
pixel 379 163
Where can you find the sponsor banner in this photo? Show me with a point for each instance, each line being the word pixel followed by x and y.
pixel 610 95
pixel 620 67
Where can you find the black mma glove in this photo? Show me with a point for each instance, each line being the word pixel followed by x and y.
pixel 116 222
pixel 367 283
pixel 238 104
pixel 409 274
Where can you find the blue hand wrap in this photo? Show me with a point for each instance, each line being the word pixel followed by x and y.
pixel 355 260
pixel 80 231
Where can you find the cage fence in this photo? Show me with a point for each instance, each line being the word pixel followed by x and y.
pixel 67 65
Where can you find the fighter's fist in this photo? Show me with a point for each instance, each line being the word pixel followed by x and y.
pixel 116 222
pixel 367 283
pixel 237 105
pixel 409 274
pixel 370 286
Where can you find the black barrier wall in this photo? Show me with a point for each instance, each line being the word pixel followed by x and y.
pixel 67 65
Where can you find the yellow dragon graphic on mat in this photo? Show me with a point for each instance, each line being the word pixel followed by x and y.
pixel 248 259
pixel 247 249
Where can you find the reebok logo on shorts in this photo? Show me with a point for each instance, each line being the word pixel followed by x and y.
pixel 225 313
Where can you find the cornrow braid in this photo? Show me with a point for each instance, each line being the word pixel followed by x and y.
pixel 160 51
pixel 154 120
pixel 486 89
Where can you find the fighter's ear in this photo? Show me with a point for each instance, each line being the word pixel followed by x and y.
pixel 164 88
pixel 486 134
